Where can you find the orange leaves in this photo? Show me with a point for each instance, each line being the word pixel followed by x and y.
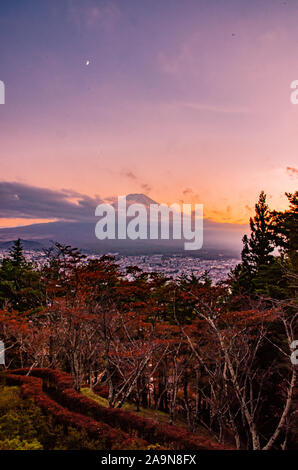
pixel 15 322
pixel 252 317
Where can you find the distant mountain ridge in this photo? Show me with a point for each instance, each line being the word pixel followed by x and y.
pixel 27 245
pixel 217 236
pixel 139 198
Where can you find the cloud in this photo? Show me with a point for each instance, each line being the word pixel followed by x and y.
pixel 19 200
pixel 129 174
pixel 187 191
pixel 145 187
pixel 190 195
pixel 183 57
pixel 132 176
pixel 92 14
pixel 292 172
pixel 214 108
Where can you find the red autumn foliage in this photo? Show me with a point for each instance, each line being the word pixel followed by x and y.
pixel 31 387
pixel 60 384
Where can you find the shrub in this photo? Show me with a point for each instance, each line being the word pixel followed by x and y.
pixel 109 438
pixel 173 437
pixel 17 444
pixel 24 427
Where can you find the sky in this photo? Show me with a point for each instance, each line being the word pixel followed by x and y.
pixel 182 100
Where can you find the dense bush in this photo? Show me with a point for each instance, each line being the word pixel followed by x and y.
pixel 58 382
pixel 107 437
pixel 23 426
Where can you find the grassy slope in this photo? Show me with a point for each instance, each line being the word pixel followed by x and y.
pixel 156 415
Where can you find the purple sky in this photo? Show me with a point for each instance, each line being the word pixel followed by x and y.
pixel 182 100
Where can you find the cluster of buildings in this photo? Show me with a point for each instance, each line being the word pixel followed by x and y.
pixel 173 265
pixel 176 265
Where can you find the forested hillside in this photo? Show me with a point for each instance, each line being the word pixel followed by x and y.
pixel 217 360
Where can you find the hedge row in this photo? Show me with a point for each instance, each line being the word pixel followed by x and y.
pixel 169 436
pixel 31 387
pixel 52 378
